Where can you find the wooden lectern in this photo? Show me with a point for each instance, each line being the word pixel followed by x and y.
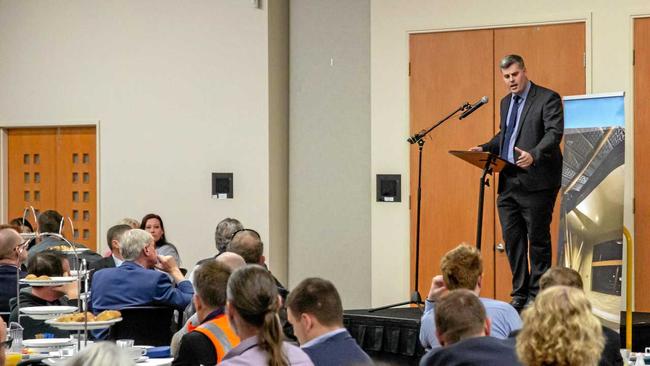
pixel 489 163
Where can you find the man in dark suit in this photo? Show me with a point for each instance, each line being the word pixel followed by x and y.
pixel 531 128
pixel 462 328
pixel 113 237
pixel 315 311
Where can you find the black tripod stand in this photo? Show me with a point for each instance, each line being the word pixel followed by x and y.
pixel 418 138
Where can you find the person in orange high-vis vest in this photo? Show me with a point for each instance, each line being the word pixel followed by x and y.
pixel 208 342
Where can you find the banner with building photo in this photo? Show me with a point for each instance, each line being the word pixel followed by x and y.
pixel 591 219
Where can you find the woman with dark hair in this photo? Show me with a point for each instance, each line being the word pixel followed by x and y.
pixel 153 224
pixel 252 307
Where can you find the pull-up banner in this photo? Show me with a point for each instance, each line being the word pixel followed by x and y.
pixel 591 219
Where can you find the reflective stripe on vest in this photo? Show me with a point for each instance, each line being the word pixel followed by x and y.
pixel 221 335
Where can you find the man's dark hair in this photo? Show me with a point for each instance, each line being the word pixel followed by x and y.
pixel 211 282
pixel 115 233
pixel 459 315
pixel 49 221
pixel 512 59
pixel 224 231
pixel 560 276
pixel 248 244
pixel 318 297
pixel 46 264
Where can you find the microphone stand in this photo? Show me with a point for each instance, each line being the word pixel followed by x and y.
pixel 418 138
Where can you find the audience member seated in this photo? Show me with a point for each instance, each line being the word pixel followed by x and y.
pixel 232 261
pixel 133 223
pixel 562 276
pixel 209 342
pixel 462 267
pixel 248 244
pixel 463 329
pixel 24 226
pixel 114 238
pixel 45 264
pixel 560 329
pixel 222 235
pixel 252 307
pixel 314 309
pixel 13 252
pixel 153 224
pixel 49 222
pixel 101 354
pixel 135 282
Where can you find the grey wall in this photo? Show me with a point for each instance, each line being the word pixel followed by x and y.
pixel 329 155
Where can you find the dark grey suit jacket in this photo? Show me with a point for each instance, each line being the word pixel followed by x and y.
pixel 540 131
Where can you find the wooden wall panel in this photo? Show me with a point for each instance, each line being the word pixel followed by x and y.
pixel 447 70
pixel 55 168
pixel 31 164
pixel 641 162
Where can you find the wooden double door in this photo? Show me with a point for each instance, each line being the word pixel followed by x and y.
pixel 55 169
pixel 448 69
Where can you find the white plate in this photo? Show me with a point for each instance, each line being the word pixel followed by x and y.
pixel 53 281
pixel 74 272
pixel 47 312
pixel 80 325
pixel 141 359
pixel 69 250
pixel 47 342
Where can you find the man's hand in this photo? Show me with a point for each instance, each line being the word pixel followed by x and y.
pixel 71 290
pixel 167 263
pixel 437 290
pixel 476 149
pixel 525 159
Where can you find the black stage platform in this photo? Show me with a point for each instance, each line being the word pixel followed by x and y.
pixel 390 337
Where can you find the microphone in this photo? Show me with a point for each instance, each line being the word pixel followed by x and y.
pixel 474 107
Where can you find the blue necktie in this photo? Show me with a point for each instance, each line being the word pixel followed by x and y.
pixel 510 127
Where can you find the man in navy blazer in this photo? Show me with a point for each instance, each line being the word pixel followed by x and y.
pixel 531 128
pixel 316 313
pixel 136 283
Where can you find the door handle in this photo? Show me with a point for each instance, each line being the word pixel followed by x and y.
pixel 501 247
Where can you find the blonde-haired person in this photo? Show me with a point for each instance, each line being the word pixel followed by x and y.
pixel 252 308
pixel 560 329
pixel 462 268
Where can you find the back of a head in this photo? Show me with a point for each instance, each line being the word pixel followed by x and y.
pixel 115 233
pixel 248 244
pixel 232 260
pixel 133 242
pixel 560 329
pixel 461 267
pixel 224 231
pixel 210 282
pixel 133 223
pixel 20 223
pixel 100 354
pixel 560 276
pixel 254 295
pixel 459 315
pixel 46 264
pixel 319 298
pixel 49 221
pixel 9 238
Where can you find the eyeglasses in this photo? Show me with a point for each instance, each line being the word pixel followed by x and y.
pixel 249 230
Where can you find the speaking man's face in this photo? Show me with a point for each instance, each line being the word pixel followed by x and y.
pixel 515 78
